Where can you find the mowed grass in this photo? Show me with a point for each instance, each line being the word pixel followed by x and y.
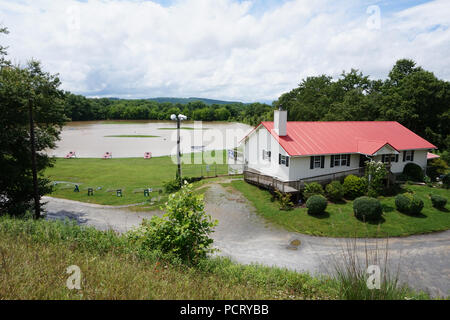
pixel 132 175
pixel 34 257
pixel 339 221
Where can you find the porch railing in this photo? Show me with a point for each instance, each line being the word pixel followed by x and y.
pixel 270 182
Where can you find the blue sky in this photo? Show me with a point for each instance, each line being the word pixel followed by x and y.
pixel 225 49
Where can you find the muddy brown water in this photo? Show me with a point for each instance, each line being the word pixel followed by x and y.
pixel 89 139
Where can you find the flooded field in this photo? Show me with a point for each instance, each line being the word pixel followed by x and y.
pixel 124 139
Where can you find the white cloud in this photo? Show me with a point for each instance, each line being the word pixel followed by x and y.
pixel 218 49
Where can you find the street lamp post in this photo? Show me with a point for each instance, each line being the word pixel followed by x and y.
pixel 178 119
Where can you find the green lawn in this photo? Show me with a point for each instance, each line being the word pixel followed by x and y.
pixel 338 220
pixel 132 175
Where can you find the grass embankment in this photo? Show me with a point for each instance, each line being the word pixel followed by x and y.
pixel 132 175
pixel 339 221
pixel 34 257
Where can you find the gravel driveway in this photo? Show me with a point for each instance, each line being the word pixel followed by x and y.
pixel 422 261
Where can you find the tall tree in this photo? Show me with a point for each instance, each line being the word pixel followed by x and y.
pixel 23 90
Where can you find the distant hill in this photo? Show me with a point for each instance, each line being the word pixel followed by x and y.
pixel 187 100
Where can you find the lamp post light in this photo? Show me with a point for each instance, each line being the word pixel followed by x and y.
pixel 178 119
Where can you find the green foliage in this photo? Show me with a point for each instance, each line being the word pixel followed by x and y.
pixel 438 201
pixel 413 171
pixel 284 200
pixel 176 184
pixel 412 96
pixel 367 209
pixel 446 181
pixel 335 191
pixel 375 173
pixel 183 231
pixel 409 203
pixel 312 189
pixel 316 204
pixel 436 167
pixel 21 87
pixel 354 186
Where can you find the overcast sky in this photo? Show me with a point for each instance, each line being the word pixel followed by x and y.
pixel 222 49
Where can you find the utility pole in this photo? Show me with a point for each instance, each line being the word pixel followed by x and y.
pixel 37 205
pixel 178 119
pixel 178 149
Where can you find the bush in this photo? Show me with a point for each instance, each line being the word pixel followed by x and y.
pixel 438 201
pixel 174 185
pixel 408 203
pixel 284 200
pixel 335 191
pixel 183 231
pixel 446 180
pixel 316 204
pixel 436 168
pixel 367 209
pixel 413 171
pixel 354 186
pixel 312 188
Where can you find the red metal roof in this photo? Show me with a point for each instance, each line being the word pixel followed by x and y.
pixel 431 156
pixel 333 137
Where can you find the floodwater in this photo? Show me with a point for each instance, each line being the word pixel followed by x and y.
pixel 89 139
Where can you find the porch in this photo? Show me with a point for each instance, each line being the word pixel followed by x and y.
pixel 268 182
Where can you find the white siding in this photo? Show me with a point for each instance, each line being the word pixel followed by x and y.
pixel 299 167
pixel 420 158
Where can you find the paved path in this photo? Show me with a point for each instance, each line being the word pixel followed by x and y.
pixel 422 261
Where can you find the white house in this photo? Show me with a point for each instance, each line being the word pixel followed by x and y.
pixel 292 151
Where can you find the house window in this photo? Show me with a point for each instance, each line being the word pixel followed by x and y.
pixel 409 155
pixel 317 161
pixel 339 160
pixel 266 155
pixel 385 158
pixel 283 160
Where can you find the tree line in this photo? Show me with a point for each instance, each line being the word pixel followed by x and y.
pixel 414 97
pixel 80 108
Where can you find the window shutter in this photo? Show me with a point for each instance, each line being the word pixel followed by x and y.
pixel 396 158
pixel 382 158
pixel 412 155
pixel 279 158
pixel 332 162
pixel 287 161
pixel 311 164
pixel 348 160
pixel 404 156
pixel 322 161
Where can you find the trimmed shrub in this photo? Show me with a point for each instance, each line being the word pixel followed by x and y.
pixel 316 204
pixel 367 209
pixel 354 186
pixel 335 191
pixel 438 201
pixel 408 203
pixel 312 188
pixel 446 181
pixel 413 171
